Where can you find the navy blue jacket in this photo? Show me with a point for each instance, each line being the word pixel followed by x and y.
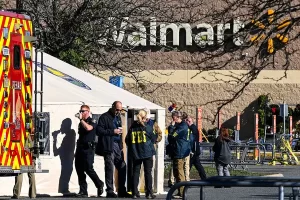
pixel 179 138
pixel 150 123
pixel 139 141
pixel 105 132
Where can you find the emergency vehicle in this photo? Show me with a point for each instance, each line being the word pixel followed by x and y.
pixel 20 146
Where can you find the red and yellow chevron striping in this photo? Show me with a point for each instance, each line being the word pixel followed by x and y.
pixel 15 90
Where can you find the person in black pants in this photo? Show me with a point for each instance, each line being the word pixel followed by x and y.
pixel 195 149
pixel 110 146
pixel 84 156
pixel 141 149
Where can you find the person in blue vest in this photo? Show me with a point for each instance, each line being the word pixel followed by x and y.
pixel 179 146
pixel 141 148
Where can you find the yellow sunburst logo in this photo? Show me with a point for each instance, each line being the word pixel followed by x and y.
pixel 64 76
pixel 55 72
pixel 266 27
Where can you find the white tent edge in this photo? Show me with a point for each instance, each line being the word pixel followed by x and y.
pixel 73 71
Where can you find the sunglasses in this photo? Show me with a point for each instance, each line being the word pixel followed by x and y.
pixel 82 111
pixel 118 110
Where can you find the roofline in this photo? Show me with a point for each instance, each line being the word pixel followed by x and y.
pixel 14 15
pixel 100 105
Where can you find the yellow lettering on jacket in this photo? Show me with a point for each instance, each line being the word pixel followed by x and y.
pixel 139 137
pixel 188 136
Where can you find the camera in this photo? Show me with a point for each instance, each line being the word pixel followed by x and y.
pixel 77 115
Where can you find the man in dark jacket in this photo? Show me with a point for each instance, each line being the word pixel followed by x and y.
pixel 178 139
pixel 110 146
pixel 195 149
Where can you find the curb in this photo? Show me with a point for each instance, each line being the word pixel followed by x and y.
pixel 274 175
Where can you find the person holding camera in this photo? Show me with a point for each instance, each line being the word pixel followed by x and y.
pixel 84 156
pixel 110 146
pixel 140 146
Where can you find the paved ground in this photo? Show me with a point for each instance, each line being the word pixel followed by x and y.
pixel 230 193
pixel 249 193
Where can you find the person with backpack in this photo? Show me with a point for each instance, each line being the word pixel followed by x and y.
pixel 222 153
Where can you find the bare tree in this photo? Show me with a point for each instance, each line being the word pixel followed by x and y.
pixel 268 41
pixel 117 35
pixel 93 34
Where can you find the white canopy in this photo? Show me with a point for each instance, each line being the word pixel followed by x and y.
pixel 65 83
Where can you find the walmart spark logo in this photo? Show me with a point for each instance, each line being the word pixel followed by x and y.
pixel 265 28
pixel 64 76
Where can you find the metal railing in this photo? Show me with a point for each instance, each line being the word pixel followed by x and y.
pixel 240 181
pixel 240 153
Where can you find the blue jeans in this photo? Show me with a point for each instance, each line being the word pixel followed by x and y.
pixel 222 169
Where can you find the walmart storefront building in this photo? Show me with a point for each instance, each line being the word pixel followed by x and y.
pixel 222 52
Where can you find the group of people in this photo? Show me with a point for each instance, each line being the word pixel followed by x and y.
pixel 141 140
pixel 184 149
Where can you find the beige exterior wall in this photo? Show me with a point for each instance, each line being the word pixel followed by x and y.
pixel 172 74
pixel 9 4
pixel 188 94
pixel 195 77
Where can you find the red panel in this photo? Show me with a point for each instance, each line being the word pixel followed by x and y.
pixel 16 37
pixel 16 93
pixel 256 128
pixel 199 116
